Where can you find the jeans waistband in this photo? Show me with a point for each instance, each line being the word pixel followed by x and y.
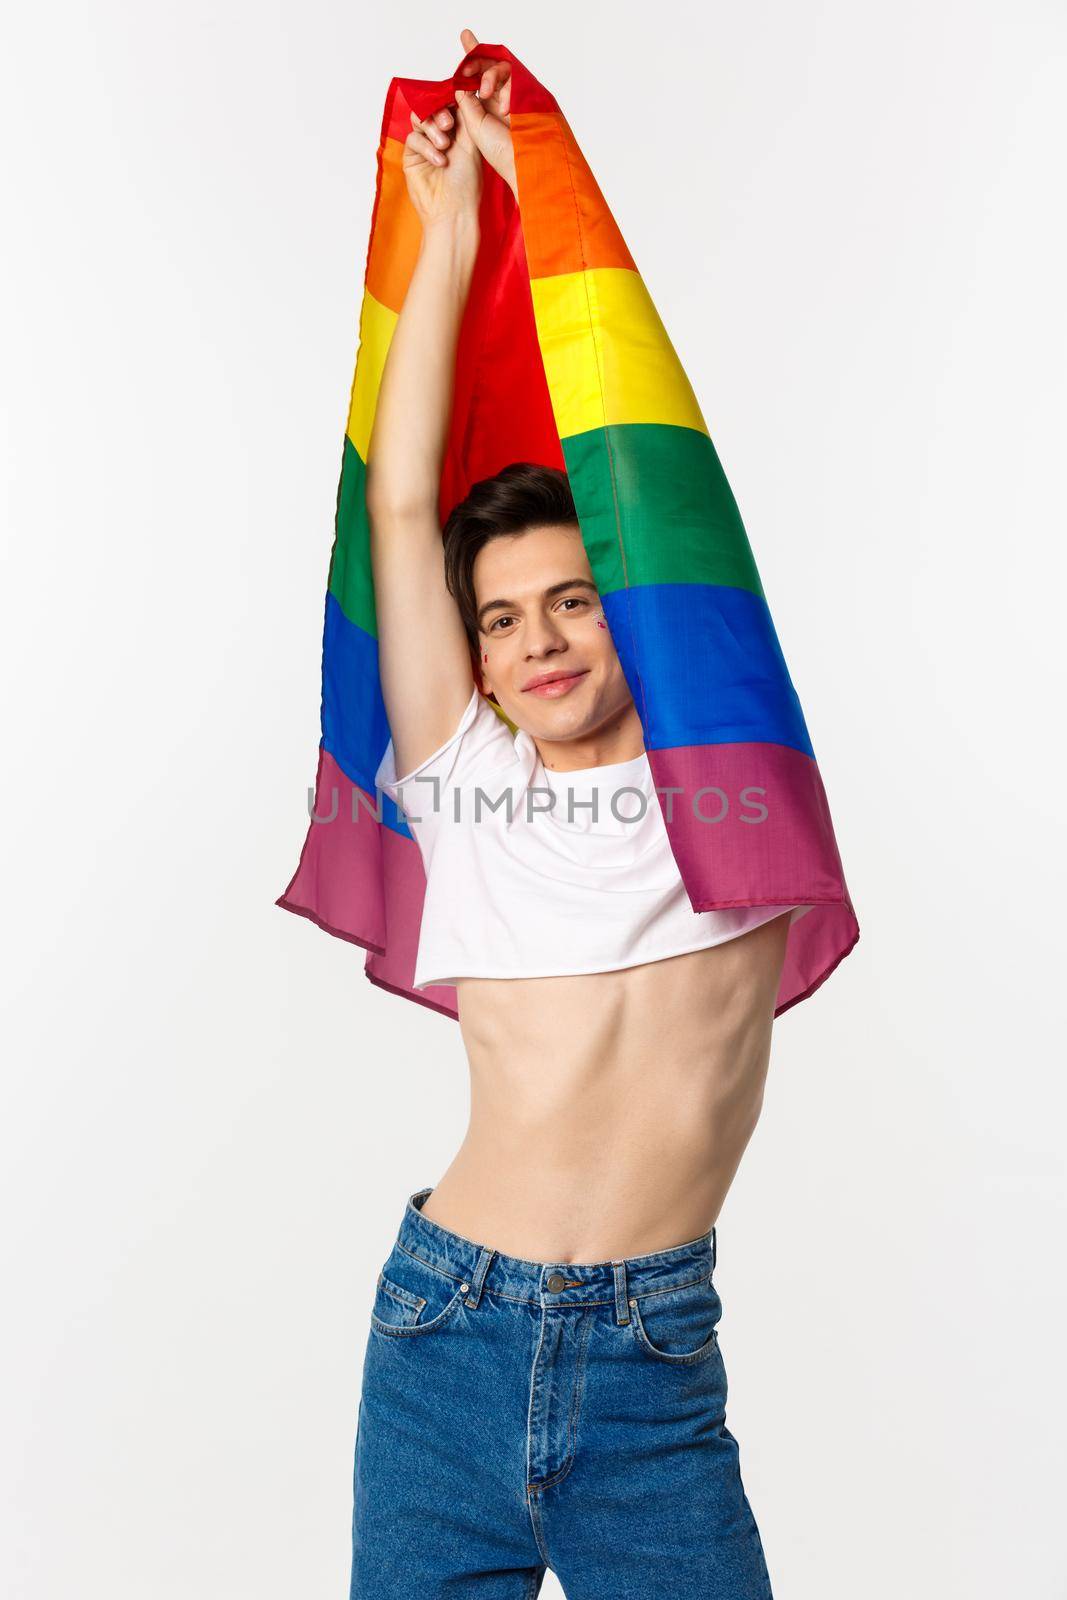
pixel 551 1282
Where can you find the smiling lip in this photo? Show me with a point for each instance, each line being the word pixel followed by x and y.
pixel 551 688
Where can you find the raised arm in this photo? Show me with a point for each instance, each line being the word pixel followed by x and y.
pixel 424 655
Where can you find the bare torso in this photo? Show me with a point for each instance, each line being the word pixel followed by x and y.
pixel 610 1112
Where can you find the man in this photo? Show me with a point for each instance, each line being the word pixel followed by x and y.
pixel 543 1384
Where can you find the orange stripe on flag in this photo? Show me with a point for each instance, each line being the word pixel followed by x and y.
pixel 566 224
pixel 397 233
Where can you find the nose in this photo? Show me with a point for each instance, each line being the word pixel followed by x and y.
pixel 543 636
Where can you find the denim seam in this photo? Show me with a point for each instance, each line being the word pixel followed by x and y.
pixel 533 1502
pixel 430 1265
pixel 688 1358
pixel 407 1330
pixel 572 1422
pixel 415 1302
pixel 530 1500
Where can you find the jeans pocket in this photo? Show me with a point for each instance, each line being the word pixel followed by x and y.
pixel 679 1325
pixel 413 1297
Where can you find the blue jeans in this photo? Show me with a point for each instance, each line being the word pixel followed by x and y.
pixel 519 1415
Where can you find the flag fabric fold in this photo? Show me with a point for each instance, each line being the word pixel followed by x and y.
pixel 562 359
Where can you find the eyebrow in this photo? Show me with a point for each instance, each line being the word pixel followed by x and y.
pixel 549 593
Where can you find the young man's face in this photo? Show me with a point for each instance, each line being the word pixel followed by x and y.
pixel 539 614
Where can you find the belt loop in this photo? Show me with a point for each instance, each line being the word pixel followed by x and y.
pixel 478 1278
pixel 622 1304
pixel 714 1248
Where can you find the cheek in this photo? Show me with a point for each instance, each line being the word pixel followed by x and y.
pixel 496 655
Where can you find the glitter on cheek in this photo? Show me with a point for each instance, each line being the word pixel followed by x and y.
pixel 598 617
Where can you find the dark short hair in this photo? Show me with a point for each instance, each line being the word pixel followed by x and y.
pixel 521 496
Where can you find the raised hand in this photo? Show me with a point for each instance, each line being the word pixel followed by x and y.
pixel 485 109
pixel 442 166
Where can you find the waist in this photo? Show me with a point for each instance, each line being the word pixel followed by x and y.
pixel 535 1280
pixel 609 1159
pixel 609 1113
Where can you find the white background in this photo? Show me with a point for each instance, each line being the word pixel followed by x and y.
pixel 850 217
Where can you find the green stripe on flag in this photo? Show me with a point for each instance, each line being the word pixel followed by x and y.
pixel 661 487
pixel 350 580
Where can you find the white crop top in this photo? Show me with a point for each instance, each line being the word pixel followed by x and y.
pixel 559 889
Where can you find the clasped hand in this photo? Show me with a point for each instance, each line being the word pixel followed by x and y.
pixel 443 153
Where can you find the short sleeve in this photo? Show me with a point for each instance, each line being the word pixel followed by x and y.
pixel 482 743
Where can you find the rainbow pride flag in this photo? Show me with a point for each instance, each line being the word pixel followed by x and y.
pixel 562 359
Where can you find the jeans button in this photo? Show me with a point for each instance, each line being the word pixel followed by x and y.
pixel 555 1283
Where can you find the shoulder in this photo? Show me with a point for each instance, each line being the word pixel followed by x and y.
pixel 482 744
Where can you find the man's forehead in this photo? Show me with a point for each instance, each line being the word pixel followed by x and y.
pixel 532 563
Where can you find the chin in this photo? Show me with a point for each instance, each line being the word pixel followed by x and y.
pixel 566 719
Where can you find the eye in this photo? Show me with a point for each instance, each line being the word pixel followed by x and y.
pixel 574 600
pixel 498 620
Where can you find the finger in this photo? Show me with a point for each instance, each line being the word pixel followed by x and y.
pixel 430 128
pixel 479 63
pixel 419 145
pixel 467 108
pixel 479 126
pixel 435 131
pixel 493 78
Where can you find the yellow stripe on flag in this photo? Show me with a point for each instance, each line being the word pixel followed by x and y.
pixel 376 326
pixel 606 353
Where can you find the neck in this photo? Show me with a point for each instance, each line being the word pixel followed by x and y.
pixel 618 739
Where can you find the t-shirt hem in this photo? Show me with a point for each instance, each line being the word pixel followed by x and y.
pixel 615 966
